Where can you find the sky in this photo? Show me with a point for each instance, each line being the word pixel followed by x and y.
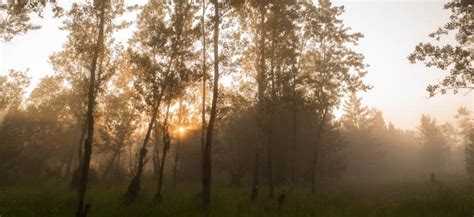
pixel 392 29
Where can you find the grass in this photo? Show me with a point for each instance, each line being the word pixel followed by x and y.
pixel 415 200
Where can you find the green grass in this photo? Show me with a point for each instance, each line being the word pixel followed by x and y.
pixel 414 200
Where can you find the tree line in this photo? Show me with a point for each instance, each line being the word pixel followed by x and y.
pixel 260 102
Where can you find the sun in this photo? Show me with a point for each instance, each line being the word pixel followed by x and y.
pixel 181 130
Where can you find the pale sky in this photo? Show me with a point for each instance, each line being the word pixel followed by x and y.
pixel 391 29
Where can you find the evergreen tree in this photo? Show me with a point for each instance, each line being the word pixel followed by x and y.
pixel 434 144
pixel 466 124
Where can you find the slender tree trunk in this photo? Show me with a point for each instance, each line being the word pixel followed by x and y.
pixel 315 151
pixel 156 154
pixel 270 122
pixel 80 155
pixel 295 108
pixel 77 172
pixel 82 210
pixel 76 176
pixel 176 161
pixel 206 179
pixel 134 186
pixel 261 106
pixel 166 146
pixel 109 165
pixel 204 79
pixel 178 146
pixel 293 136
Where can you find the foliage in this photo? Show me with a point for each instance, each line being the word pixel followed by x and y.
pixel 458 59
pixel 16 20
pixel 12 88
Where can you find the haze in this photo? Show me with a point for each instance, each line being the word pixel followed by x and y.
pixel 391 30
pixel 237 108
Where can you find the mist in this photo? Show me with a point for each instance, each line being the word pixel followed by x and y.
pixel 233 108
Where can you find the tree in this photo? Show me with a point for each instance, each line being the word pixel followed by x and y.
pixel 12 88
pixel 282 33
pixel 82 210
pixel 455 58
pixel 332 153
pixel 261 86
pixel 73 63
pixel 166 140
pixel 364 130
pixel 236 129
pixel 252 16
pixel 469 154
pixel 204 80
pixel 331 68
pixel 17 17
pixel 434 144
pixel 206 179
pixel 160 51
pixel 355 114
pixel 466 124
pixel 13 126
pixel 178 142
pixel 48 105
pixel 117 130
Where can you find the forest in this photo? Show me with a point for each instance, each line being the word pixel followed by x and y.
pixel 226 108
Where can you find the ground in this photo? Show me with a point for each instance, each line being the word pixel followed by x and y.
pixel 404 200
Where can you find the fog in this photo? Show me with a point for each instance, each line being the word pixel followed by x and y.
pixel 234 108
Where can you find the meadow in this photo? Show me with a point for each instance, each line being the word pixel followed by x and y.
pixel 404 200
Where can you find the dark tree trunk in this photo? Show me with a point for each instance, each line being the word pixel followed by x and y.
pixel 76 174
pixel 134 187
pixel 158 196
pixel 176 162
pixel 293 136
pixel 156 154
pixel 270 121
pixel 166 145
pixel 204 79
pixel 178 146
pixel 315 151
pixel 270 159
pixel 82 210
pixel 206 179
pixel 295 68
pixel 261 106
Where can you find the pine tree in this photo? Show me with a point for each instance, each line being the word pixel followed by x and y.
pixel 434 144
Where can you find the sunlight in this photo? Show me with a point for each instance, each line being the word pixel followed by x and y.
pixel 181 130
pixel 326 101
